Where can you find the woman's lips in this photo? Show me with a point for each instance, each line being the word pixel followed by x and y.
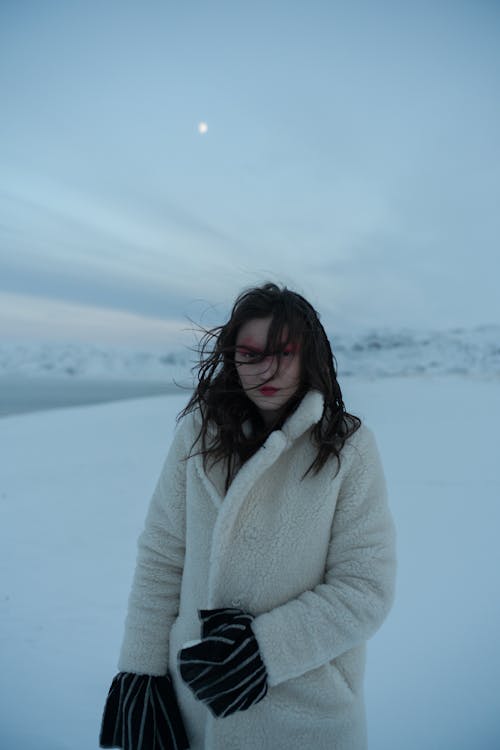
pixel 268 390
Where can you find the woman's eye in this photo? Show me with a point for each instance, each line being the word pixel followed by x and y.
pixel 247 355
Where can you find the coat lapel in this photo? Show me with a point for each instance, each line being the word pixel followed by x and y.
pixel 308 413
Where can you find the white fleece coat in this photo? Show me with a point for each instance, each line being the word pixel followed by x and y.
pixel 312 559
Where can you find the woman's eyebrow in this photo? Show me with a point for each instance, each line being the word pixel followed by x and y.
pixel 249 346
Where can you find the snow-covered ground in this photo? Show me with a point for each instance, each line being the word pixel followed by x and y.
pixel 375 353
pixel 89 362
pixel 74 487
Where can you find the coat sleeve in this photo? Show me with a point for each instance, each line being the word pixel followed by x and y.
pixel 154 598
pixel 358 587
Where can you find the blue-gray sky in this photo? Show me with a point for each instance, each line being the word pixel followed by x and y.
pixel 352 152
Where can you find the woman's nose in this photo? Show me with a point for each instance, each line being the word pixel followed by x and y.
pixel 269 363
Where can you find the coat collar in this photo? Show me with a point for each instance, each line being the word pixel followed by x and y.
pixel 307 414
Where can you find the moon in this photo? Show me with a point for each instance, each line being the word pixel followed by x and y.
pixel 202 128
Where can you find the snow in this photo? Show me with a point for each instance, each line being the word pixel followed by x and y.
pixel 86 361
pixel 376 353
pixel 74 488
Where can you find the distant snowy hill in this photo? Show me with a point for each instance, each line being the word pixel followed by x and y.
pixel 474 351
pixel 384 353
pixel 92 362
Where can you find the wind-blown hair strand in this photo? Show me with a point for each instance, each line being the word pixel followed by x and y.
pixel 223 403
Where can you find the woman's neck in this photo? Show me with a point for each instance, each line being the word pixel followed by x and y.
pixel 271 418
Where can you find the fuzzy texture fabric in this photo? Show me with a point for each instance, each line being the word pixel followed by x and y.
pixel 313 560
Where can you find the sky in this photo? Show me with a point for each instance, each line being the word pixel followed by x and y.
pixel 351 152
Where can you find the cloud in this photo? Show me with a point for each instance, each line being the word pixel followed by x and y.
pixel 358 162
pixel 120 253
pixel 37 318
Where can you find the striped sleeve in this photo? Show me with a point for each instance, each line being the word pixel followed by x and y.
pixel 224 669
pixel 141 713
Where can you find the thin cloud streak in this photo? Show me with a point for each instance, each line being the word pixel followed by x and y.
pixel 25 317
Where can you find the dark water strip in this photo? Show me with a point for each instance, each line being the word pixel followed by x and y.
pixel 21 395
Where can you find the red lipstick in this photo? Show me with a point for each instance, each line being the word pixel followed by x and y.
pixel 268 390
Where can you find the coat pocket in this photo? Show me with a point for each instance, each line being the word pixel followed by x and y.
pixel 322 692
pixel 342 672
pixel 350 667
pixel 316 694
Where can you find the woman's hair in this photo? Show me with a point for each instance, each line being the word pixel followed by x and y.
pixel 223 402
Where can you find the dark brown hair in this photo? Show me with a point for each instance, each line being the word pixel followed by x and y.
pixel 224 404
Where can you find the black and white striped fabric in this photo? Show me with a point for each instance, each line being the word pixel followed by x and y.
pixel 224 669
pixel 141 713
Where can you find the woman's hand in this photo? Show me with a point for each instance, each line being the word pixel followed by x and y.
pixel 142 712
pixel 224 669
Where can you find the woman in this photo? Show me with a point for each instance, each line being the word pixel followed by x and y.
pixel 267 558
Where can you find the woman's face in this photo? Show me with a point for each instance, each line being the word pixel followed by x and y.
pixel 272 381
